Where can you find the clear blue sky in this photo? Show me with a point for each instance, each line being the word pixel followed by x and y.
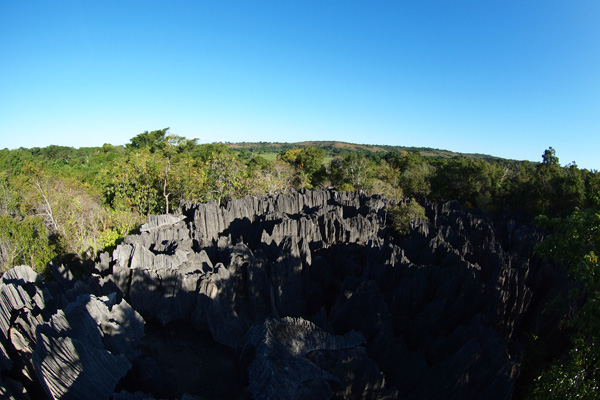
pixel 506 78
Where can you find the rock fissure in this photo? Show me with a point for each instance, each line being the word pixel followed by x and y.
pixel 301 295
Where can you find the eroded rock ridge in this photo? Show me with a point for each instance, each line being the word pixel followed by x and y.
pixel 303 295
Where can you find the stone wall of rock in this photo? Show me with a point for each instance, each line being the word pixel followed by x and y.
pixel 63 342
pixel 303 295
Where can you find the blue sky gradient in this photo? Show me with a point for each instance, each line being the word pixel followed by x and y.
pixel 506 78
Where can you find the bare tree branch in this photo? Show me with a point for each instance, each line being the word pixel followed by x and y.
pixel 165 194
pixel 48 211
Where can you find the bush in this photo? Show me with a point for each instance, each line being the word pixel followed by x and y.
pixel 24 242
pixel 402 214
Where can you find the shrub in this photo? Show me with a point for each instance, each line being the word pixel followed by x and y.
pixel 402 214
pixel 24 242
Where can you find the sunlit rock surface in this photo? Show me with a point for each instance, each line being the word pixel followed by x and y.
pixel 300 296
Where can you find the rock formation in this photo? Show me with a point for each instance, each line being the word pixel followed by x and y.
pixel 303 295
pixel 62 344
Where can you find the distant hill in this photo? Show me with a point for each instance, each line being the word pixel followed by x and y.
pixel 333 148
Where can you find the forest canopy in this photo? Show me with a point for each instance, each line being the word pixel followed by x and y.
pixel 85 200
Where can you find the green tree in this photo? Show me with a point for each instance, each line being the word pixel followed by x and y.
pixel 462 179
pixel 352 171
pixel 556 191
pixel 415 173
pixel 513 188
pixel 575 243
pixel 135 183
pixel 278 177
pixel 9 197
pixel 225 175
pixel 592 186
pixel 308 161
pixel 12 161
pixel 116 225
pixel 24 242
pixel 385 182
pixel 154 141
pixel 72 212
pixel 186 179
pixel 402 214
pixel 204 152
pixel 549 157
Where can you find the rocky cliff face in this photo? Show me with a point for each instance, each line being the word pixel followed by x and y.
pixel 301 295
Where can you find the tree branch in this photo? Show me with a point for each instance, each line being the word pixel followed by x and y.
pixel 49 208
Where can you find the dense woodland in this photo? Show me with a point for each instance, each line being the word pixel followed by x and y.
pixel 65 205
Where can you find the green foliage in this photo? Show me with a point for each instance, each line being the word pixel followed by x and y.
pixel 560 190
pixel 258 164
pixel 478 181
pixel 118 224
pixel 345 187
pixel 205 151
pixel 276 177
pixel 89 198
pixel 415 173
pixel 153 141
pixel 9 197
pixel 549 157
pixel 352 170
pixel 225 175
pixel 334 148
pixel 402 214
pixel 186 179
pixel 575 242
pixel 24 242
pixel 109 238
pixel 546 188
pixel 592 187
pixel 574 377
pixel 543 188
pixel 462 179
pixel 71 211
pixel 572 237
pixel 385 182
pixel 160 141
pixel 12 161
pixel 514 185
pixel 134 183
pixel 308 161
pixel 289 156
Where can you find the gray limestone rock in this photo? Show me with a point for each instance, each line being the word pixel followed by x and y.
pixel 77 352
pixel 281 368
pixel 310 288
pixel 156 222
pixel 70 368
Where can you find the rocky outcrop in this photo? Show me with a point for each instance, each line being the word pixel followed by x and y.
pixel 62 349
pixel 303 295
pixel 230 267
pixel 294 359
